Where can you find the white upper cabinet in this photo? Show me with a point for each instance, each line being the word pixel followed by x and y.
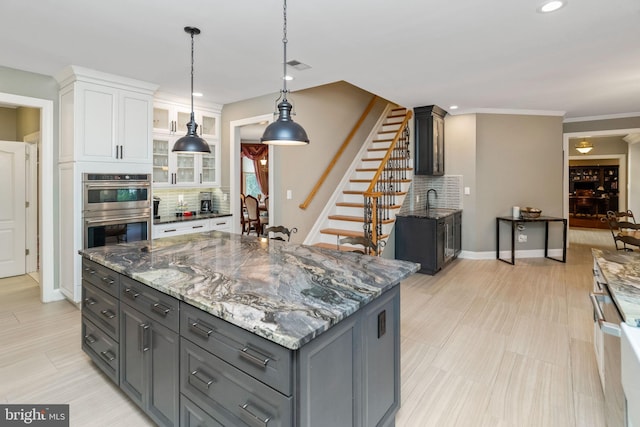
pixel 104 118
pixel 184 169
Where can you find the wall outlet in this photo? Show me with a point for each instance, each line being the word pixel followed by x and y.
pixel 522 238
pixel 289 195
pixel 467 191
pixel 417 198
pixel 224 197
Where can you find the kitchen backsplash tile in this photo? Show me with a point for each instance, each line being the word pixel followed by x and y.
pixel 449 188
pixel 169 198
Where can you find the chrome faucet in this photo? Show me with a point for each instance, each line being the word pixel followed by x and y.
pixel 430 190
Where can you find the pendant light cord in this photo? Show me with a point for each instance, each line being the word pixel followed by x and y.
pixel 192 32
pixel 284 43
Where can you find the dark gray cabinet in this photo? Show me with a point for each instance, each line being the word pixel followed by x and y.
pixel 429 140
pixel 432 242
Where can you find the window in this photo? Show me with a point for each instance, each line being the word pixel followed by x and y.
pixel 250 185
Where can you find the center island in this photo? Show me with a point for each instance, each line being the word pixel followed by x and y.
pixel 223 329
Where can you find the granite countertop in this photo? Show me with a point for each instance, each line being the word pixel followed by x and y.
pixel 433 213
pixel 621 271
pixel 170 219
pixel 284 292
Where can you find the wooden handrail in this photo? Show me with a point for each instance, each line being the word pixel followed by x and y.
pixel 338 154
pixel 385 159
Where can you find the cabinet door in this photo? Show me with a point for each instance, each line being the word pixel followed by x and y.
pixel 457 233
pixel 163 367
pixel 209 123
pixel 96 122
pixel 163 121
pixel 134 344
pixel 440 243
pixel 161 150
pixel 185 169
pixel 134 129
pixel 209 164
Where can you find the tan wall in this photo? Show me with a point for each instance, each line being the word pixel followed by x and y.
pixel 601 145
pixel 460 159
pixel 519 162
pixel 27 121
pixel 328 114
pixel 8 124
pixel 597 125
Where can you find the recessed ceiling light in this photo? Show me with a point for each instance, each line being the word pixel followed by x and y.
pixel 288 77
pixel 453 107
pixel 551 6
pixel 197 94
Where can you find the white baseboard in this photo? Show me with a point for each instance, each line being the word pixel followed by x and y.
pixel 532 253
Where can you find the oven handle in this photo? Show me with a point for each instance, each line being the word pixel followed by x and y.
pixel 606 327
pixel 108 220
pixel 124 184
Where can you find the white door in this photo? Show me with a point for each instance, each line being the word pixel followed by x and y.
pixel 12 208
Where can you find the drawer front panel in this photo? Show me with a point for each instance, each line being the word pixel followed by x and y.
pixel 102 349
pixel 262 359
pixel 101 308
pixel 158 306
pixel 218 387
pixel 191 415
pixel 101 277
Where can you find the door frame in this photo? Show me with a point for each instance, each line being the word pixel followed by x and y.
pixel 48 255
pixel 586 134
pixel 234 167
pixel 33 178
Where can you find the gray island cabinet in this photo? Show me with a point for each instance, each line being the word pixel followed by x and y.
pixel 221 329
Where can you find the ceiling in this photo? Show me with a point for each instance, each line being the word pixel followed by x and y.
pixel 492 55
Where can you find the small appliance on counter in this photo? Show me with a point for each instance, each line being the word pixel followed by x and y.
pixel 156 207
pixel 205 202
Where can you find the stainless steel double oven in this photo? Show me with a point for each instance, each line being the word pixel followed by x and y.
pixel 116 208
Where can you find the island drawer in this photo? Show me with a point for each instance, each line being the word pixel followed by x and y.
pixel 101 308
pixel 220 389
pixel 258 357
pixel 100 276
pixel 102 349
pixel 158 306
pixel 191 415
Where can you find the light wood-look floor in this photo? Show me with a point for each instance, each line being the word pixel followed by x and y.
pixel 484 343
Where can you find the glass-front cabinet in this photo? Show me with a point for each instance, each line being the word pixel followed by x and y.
pixel 184 169
pixel 173 119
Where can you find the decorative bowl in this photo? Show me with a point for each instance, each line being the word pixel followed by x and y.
pixel 530 213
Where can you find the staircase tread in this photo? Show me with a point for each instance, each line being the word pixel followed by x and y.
pixel 377 159
pixel 368 180
pixel 356 192
pixel 347 233
pixel 375 169
pixel 335 247
pixel 377 149
pixel 361 205
pixel 383 140
pixel 353 218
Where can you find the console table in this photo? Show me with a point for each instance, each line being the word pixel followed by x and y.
pixel 514 224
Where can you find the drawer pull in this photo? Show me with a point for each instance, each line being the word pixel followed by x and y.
pixel 142 337
pixel 89 301
pixel 161 309
pixel 131 293
pixel 108 314
pixel 108 355
pixel 262 421
pixel 203 330
pixel 90 270
pixel 198 226
pixel 202 378
pixel 109 281
pixel 170 230
pixel 90 339
pixel 259 360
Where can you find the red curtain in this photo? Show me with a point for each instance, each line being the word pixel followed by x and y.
pixel 256 152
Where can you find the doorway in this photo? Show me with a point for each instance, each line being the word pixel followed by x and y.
pixel 235 136
pixel 13 226
pixel 47 254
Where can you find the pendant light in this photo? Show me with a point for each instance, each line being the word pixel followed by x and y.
pixel 284 131
pixel 584 147
pixel 191 142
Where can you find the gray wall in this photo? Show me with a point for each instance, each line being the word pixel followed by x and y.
pixel 327 113
pixel 601 146
pixel 607 124
pixel 8 124
pixel 519 163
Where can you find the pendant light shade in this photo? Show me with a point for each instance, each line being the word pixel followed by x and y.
pixel 284 131
pixel 191 142
pixel 584 147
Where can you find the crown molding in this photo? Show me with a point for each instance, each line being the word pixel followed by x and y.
pixel 506 111
pixel 606 117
